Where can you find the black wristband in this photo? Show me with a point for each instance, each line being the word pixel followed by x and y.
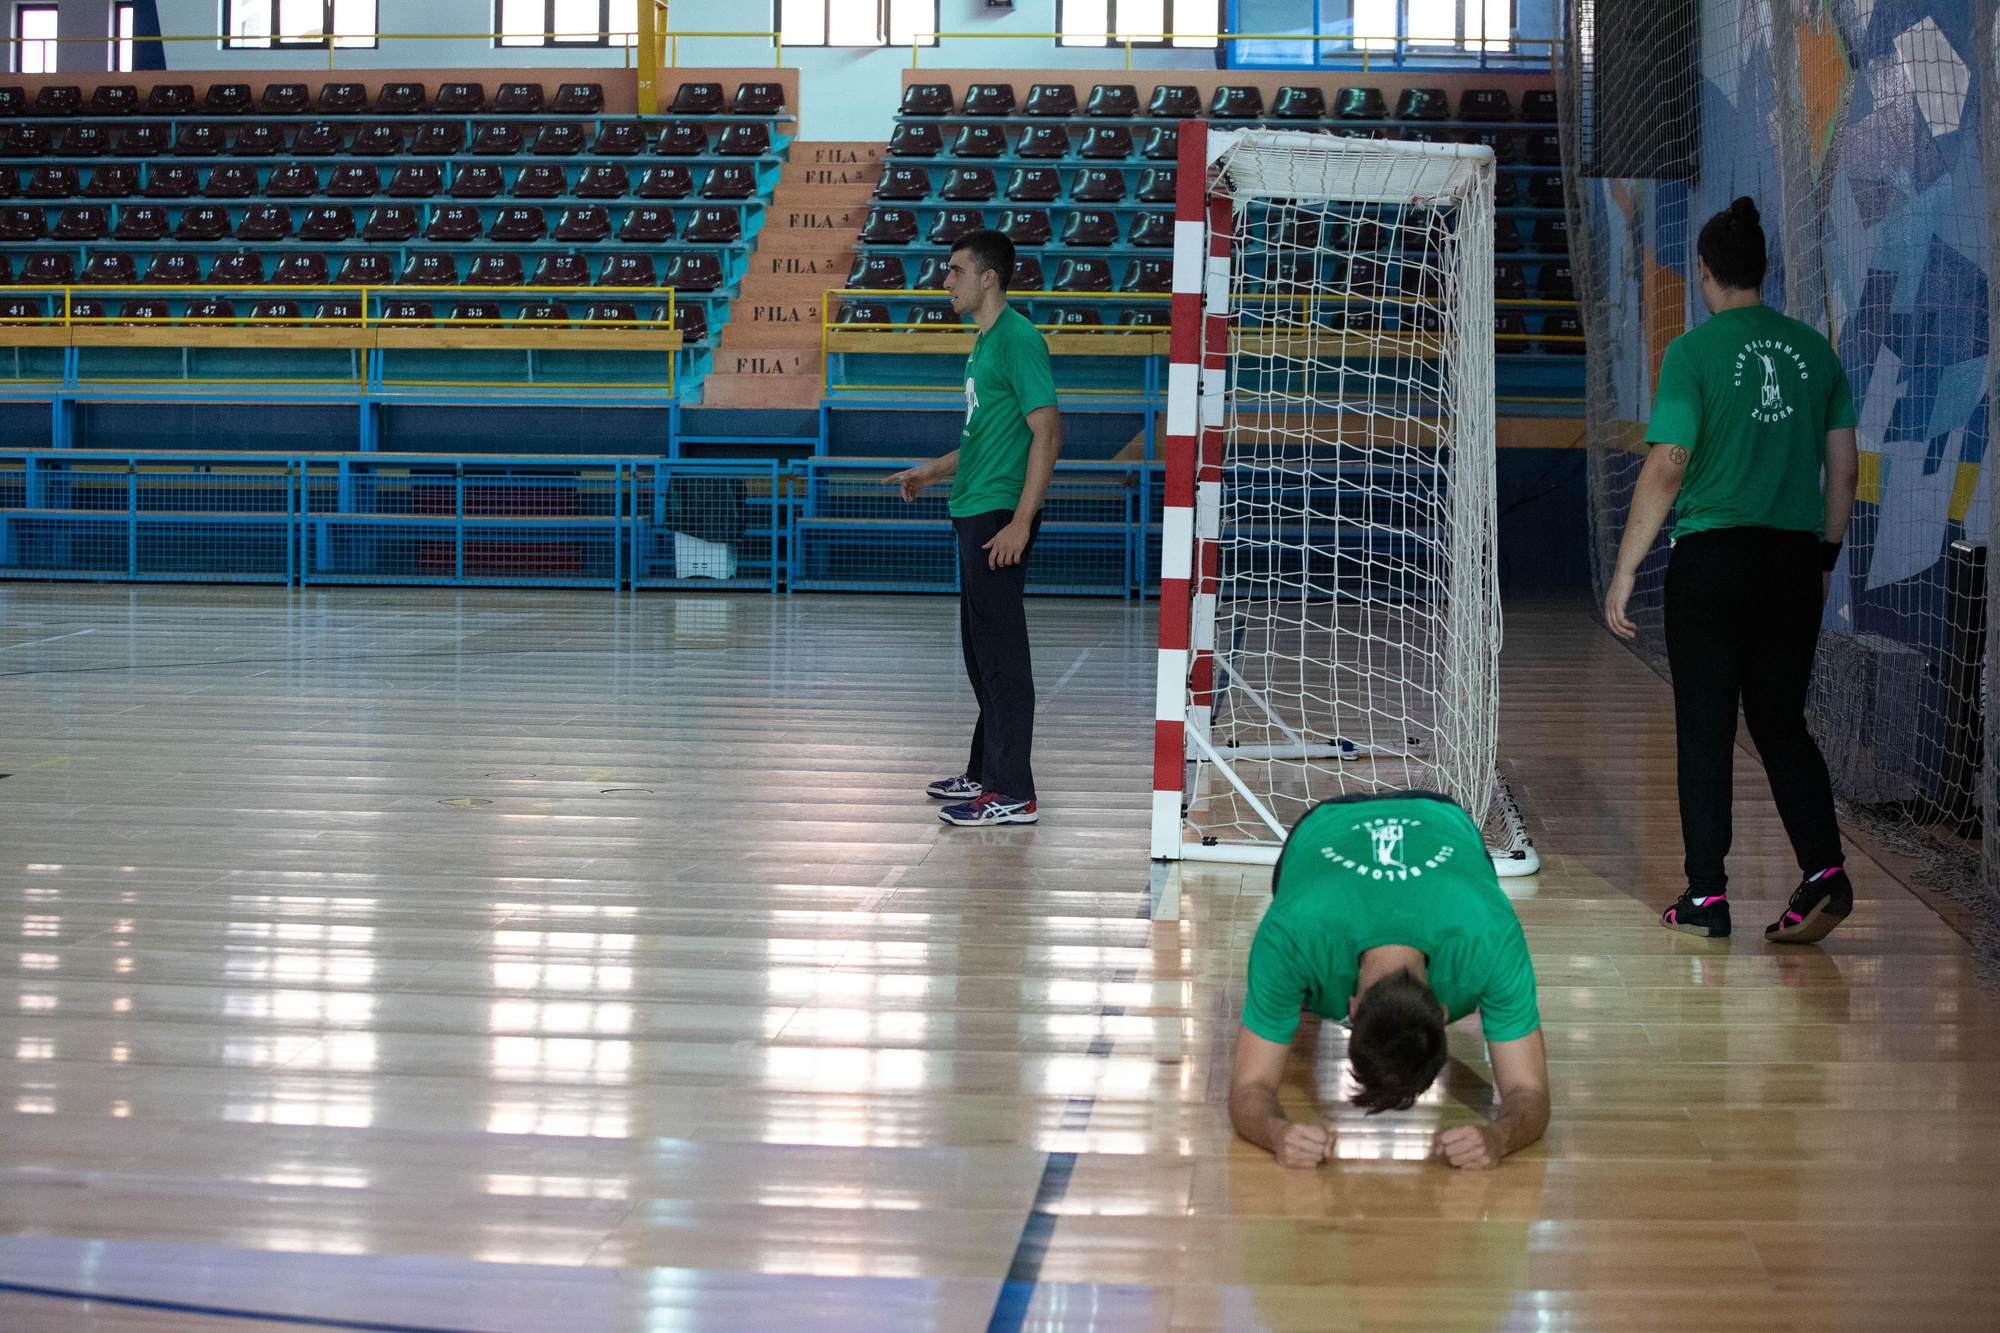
pixel 1829 555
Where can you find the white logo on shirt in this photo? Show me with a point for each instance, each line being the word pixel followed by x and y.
pixel 1387 838
pixel 1771 405
pixel 971 400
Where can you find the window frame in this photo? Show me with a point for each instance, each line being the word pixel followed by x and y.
pixel 18 43
pixel 272 40
pixel 882 8
pixel 123 36
pixel 1332 48
pixel 1166 42
pixel 546 41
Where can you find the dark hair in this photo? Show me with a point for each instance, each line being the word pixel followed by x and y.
pixel 1397 1042
pixel 991 251
pixel 1732 244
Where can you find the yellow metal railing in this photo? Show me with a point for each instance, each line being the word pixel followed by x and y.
pixel 1374 46
pixel 67 318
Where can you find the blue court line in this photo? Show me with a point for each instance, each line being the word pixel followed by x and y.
pixel 224 1312
pixel 1010 1311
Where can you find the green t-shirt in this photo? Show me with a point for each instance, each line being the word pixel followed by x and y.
pixel 1006 377
pixel 1751 395
pixel 1397 870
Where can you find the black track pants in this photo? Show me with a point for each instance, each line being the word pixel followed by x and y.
pixel 993 626
pixel 1743 613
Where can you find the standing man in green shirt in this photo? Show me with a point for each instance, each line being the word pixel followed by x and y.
pixel 1006 454
pixel 1751 407
pixel 1385 911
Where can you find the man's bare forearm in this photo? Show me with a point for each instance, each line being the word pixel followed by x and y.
pixel 1042 454
pixel 1255 1115
pixel 944 465
pixel 1840 489
pixel 1523 1119
pixel 1652 500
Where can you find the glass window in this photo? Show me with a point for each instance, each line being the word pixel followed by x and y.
pixel 121 32
pixel 1140 22
pixel 567 22
pixel 1419 28
pixel 855 22
pixel 34 39
pixel 293 23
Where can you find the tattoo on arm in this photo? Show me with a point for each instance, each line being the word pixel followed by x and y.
pixel 1678 456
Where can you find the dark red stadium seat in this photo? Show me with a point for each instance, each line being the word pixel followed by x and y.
pixel 265 222
pixel 1050 99
pixel 1026 226
pixel 988 99
pixel 971 185
pixel 353 182
pixel 364 271
pixel 889 226
pixel 637 271
pixel 62 99
pixel 299 269
pixel 277 311
pixel 408 314
pixel 1113 99
pixel 682 138
pixel 693 271
pixel 1555 282
pixel 25 141
pixel 669 182
pixel 319 140
pixel 230 183
pixel 734 182
pixel 86 223
pixel 915 139
pixel 495 269
pixel 715 226
pixel 209 311
pixel 1043 141
pixel 172 269
pixel 1511 328
pixel 170 99
pixel 285 99
pixel 1028 275
pixel 114 99
pixel 647 225
pixel 697 99
pixel 1083 275
pixel 1090 227
pixel 1236 102
pixel 1148 275
pixel 603 182
pixel 610 312
pixel 931 273
pixel 439 138
pixel 863 312
pixel 1034 185
pixel 498 140
pixel 82 141
pixel 1510 282
pixel 52 183
pixel 1296 103
pixel 620 138
pixel 539 182
pixel 416 180
pixel 691 319
pixel 226 99
pixel 141 141
pixel 333 222
pixel 979 141
pixel 258 141
pixel 143 222
pixel 238 270
pixel 13 102
pixel 395 99
pixel 1545 148
pixel 1538 106
pixel 877 273
pixel 1506 189
pixel 903 183
pixel 391 222
pixel 453 224
pixel 1502 142
pixel 1360 104
pixel 1096 185
pixel 292 181
pixel 202 224
pixel 1177 101
pixel 1423 104
pixel 560 139
pixel 519 99
pixel 112 181
pixel 1158 186
pixel 10 183
pixel 476 181
pixel 926 99
pixel 1076 317
pixel 1113 142
pixel 949 225
pixel 1485 104
pixel 543 312
pixel 47 271
pixel 429 269
pixel 758 99
pixel 936 315
pixel 744 141
pixel 460 99
pixel 1152 229
pixel 1562 329
pixel 561 270
pixel 519 225
pixel 476 312
pixel 1545 191
pixel 578 99
pixel 343 312
pixel 1147 316
pixel 145 309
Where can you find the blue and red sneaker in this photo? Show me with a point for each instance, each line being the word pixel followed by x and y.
pixel 990 807
pixel 964 787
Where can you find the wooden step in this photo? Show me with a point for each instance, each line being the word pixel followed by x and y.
pixel 795 268
pixel 764 334
pixel 763 377
pixel 829 162
pixel 797 314
pixel 793 286
pixel 791 197
pixel 837 220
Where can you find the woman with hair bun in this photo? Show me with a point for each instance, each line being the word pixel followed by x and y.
pixel 1752 407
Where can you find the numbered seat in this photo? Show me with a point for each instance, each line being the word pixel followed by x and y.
pixel 1090 227
pixel 112 181
pixel 226 99
pixel 539 182
pixel 365 271
pixel 258 141
pixel 1506 236
pixel 1236 102
pixel 453 224
pixel 520 225
pixel 416 180
pixel 889 226
pixel 1422 134
pixel 210 311
pixel 1296 103
pixel 238 270
pixel 979 141
pixel 926 99
pixel 1562 335
pixel 409 314
pixel 440 138
pixel 202 224
pixel 1163 144
pixel 429 269
pixel 1552 236
pixel 476 181
pixel 143 222
pixel 693 271
pixel 83 141
pixel 691 321
pixel 1148 275
pixel 715 226
pixel 863 312
pixel 10 183
pixel 1118 100
pixel 561 270
pixel 1050 99
pixel 968 185
pixel 145 309
pixel 114 99
pixel 1106 142
pixel 292 182
pixel 584 225
pixel 395 99
pixel 23 224
pixel 1158 186
pixel 903 183
pixel 950 225
pixel 877 273
pixel 621 138
pixel 1043 141
pixel 1510 282
pixel 1510 328
pixel 988 99
pixel 48 271
pixel 647 226
pixel 285 99
pixel 1485 104
pixel 603 182
pixel 1152 229
pixel 496 269
pixel 623 270
pixel 25 141
pixel 1076 317
pixel 758 99
pixel 230 183
pixel 278 311
pixel 915 139
pixel 1423 104
pixel 519 99
pixel 1147 316
pixel 497 141
pixel 544 312
pixel 319 140
pixel 578 99
pixel 561 139
pixel 682 138
pixel 931 273
pixel 349 99
pixel 1034 185
pixel 170 99
pixel 1506 189
pixel 331 222
pixel 1360 104
pixel 1026 226
pixel 697 99
pixel 476 312
pixel 141 141
pixel 460 99
pixel 86 223
pixel 744 141
pixel 1028 275
pixel 1538 106
pixel 265 222
pixel 1545 191
pixel 338 312
pixel 1095 185
pixel 13 102
pixel 170 269
pixel 57 100
pixel 1178 101
pixel 936 315
pixel 354 182
pixel 669 182
pixel 52 183
pixel 391 223
pixel 1555 282
pixel 1083 275
pixel 1544 148
pixel 1502 142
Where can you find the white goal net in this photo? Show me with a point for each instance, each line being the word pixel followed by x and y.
pixel 1345 626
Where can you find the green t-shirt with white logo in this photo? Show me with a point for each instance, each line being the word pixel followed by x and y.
pixel 1006 377
pixel 1751 395
pixel 1407 870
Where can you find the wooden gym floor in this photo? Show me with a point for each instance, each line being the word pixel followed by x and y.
pixel 515 961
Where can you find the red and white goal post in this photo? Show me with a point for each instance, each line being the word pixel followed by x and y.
pixel 1329 602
